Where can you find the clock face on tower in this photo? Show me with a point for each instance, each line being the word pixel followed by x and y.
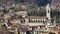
pixel 48 11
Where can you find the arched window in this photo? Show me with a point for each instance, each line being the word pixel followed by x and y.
pixel 41 20
pixel 21 21
pixel 24 20
pixel 34 21
pixel 48 11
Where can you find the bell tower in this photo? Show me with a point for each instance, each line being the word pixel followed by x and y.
pixel 48 12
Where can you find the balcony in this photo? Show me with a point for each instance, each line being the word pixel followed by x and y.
pixel 44 30
pixel 51 26
pixel 35 24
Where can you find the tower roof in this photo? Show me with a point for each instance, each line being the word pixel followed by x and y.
pixel 47 6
